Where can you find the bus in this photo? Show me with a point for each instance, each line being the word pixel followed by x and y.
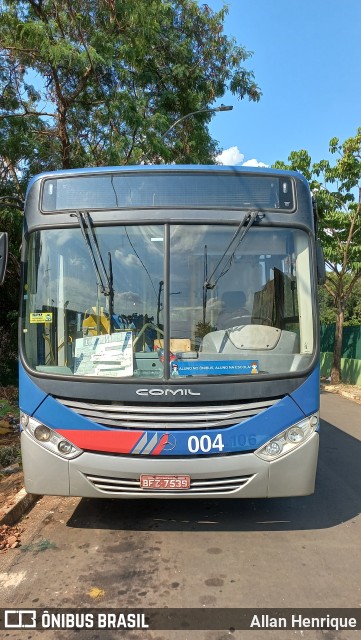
pixel 169 341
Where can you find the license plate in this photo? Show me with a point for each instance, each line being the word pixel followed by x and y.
pixel 165 482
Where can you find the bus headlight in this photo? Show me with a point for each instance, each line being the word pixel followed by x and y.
pixel 48 438
pixel 289 439
pixel 42 433
pixel 65 447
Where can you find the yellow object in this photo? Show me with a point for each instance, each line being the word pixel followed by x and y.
pixel 41 318
pixel 93 324
pixel 95 592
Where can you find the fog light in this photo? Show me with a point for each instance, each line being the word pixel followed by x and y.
pixel 295 434
pixel 64 446
pixel 42 433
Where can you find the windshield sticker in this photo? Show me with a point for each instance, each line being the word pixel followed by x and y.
pixel 105 355
pixel 41 318
pixel 214 367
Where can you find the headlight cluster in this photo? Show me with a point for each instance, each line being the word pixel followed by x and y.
pixel 289 439
pixel 48 438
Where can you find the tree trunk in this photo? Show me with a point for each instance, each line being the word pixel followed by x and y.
pixel 337 352
pixel 64 138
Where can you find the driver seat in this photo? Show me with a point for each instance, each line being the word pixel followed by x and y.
pixel 232 310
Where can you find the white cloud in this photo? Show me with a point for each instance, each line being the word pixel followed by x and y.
pixel 128 260
pixel 230 156
pixel 254 163
pixel 233 156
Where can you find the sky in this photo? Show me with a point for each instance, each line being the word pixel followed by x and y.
pixel 307 63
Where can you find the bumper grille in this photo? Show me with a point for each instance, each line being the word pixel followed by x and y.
pixel 122 416
pixel 118 486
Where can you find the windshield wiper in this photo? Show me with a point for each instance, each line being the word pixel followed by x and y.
pixel 104 279
pixel 227 258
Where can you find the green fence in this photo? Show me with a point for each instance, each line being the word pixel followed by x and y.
pixel 351 353
pixel 351 341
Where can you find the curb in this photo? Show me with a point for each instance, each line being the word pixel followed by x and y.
pixel 350 396
pixel 356 397
pixel 22 503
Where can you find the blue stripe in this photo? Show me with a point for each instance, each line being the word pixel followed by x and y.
pixel 30 396
pixel 307 395
pixel 56 416
pixel 246 436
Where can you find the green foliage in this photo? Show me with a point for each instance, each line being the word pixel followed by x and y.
pixel 113 76
pixel 8 406
pixel 202 328
pixel 298 161
pixel 10 221
pixel 328 312
pixel 9 455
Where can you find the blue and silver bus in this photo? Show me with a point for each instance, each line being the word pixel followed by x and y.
pixel 169 333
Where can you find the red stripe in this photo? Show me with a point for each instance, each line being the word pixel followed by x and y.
pixel 110 441
pixel 160 446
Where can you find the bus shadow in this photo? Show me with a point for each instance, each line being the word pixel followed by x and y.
pixel 337 499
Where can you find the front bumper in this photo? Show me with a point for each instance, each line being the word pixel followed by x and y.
pixel 94 475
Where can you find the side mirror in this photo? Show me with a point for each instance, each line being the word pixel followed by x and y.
pixel 3 255
pixel 320 263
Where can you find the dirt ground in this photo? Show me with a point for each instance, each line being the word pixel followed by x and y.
pixel 11 476
pixel 10 485
pixel 10 536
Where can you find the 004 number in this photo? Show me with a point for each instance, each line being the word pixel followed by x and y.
pixel 205 443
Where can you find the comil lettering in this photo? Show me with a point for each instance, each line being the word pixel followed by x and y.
pixel 166 392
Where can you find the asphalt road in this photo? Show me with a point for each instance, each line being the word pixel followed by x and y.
pixel 294 553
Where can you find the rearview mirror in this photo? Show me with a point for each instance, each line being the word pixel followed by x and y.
pixel 3 255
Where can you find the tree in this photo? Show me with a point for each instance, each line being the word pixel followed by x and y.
pixel 111 76
pixel 352 308
pixel 337 189
pixel 10 221
pixel 97 82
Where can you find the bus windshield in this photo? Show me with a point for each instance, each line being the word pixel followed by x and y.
pixel 257 320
